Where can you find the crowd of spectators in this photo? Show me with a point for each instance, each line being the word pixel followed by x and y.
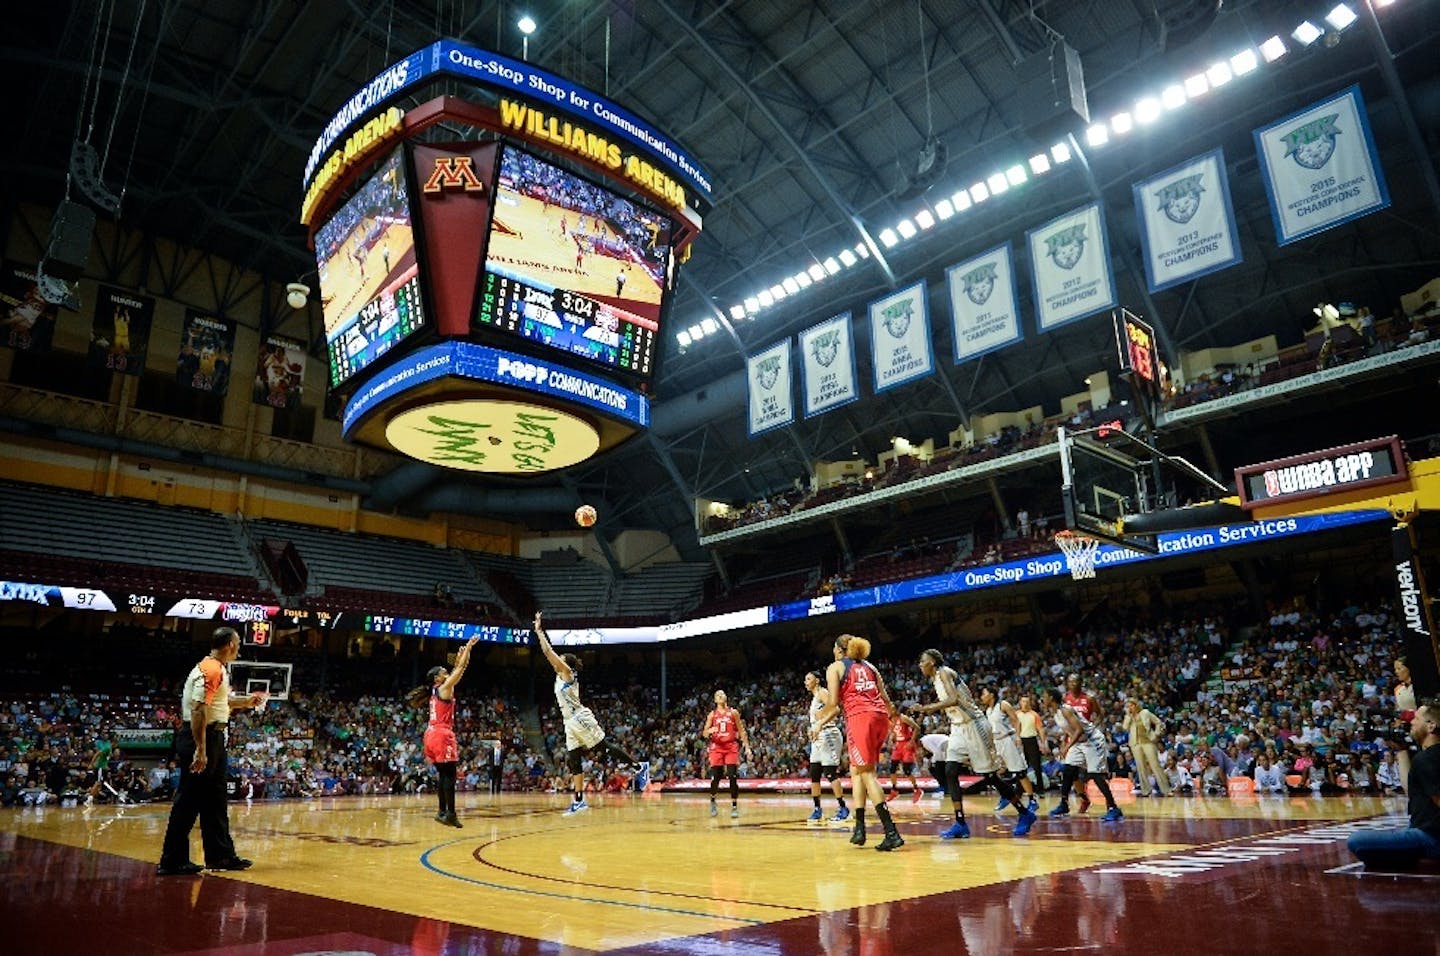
pixel 1297 702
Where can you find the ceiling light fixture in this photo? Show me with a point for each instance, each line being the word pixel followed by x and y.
pixel 1307 33
pixel 1340 17
pixel 1273 49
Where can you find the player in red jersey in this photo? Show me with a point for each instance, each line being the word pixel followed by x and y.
pixel 441 749
pixel 857 687
pixel 1088 709
pixel 726 733
pixel 902 756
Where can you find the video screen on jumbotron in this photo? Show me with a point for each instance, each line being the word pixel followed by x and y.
pixel 574 266
pixel 369 273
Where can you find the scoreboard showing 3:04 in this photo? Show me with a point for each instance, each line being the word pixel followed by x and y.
pixel 569 322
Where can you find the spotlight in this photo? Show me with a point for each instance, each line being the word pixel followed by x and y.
pixel 1147 110
pixel 1173 97
pixel 906 228
pixel 737 312
pixel 888 238
pixel 766 300
pixel 862 250
pixel 297 294
pixel 848 258
pixel 709 326
pixel 777 292
pixel 1122 122
pixel 1340 17
pixel 752 304
pixel 817 272
pixel 944 209
pixel 1039 164
pixel 1273 49
pixel 526 24
pixel 791 285
pixel 1219 74
pixel 831 266
pixel 1196 85
pixel 1097 135
pixel 961 200
pixel 1307 33
pixel 1060 152
pixel 997 183
pixel 683 338
pixel 979 193
pixel 924 219
pixel 1243 62
pixel 696 333
pixel 1015 175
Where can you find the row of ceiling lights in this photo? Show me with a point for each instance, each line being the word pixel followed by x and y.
pixel 1146 110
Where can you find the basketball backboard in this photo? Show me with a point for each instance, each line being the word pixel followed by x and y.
pixel 1118 487
pixel 1101 484
pixel 247 677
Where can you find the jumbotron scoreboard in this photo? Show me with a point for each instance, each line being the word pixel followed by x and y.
pixel 495 303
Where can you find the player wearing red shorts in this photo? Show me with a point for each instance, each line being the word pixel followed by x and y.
pixel 857 687
pixel 441 749
pixel 726 733
pixel 904 730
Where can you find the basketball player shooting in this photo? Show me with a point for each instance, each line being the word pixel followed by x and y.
pixel 582 731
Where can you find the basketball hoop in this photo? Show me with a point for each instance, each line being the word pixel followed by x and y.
pixel 1080 551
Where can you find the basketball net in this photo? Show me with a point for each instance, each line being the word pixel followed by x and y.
pixel 1080 551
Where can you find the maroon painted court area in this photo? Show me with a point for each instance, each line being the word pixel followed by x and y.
pixel 1246 886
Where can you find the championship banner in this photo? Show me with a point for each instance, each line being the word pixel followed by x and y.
pixel 827 365
pixel 120 332
pixel 1187 225
pixel 1320 167
pixel 27 321
pixel 900 337
pixel 279 372
pixel 772 402
pixel 207 345
pixel 984 321
pixel 1070 267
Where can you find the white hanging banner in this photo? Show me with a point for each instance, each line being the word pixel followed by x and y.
pixel 1187 225
pixel 827 365
pixel 1070 267
pixel 1320 167
pixel 900 345
pixel 983 305
pixel 772 402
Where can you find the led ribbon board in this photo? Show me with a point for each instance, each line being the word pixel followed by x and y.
pixel 449 58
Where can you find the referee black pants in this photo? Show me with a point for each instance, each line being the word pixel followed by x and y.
pixel 200 794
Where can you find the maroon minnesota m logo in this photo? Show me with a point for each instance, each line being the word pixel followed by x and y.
pixel 453 172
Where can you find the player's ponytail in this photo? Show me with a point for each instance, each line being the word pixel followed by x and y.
pixel 857 648
pixel 418 696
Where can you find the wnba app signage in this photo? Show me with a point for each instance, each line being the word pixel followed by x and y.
pixel 1187 228
pixel 1320 167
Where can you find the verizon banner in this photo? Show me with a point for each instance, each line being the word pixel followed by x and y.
pixel 771 396
pixel 1412 610
pixel 1070 267
pixel 1187 226
pixel 900 337
pixel 120 333
pixel 1320 167
pixel 827 357
pixel 983 303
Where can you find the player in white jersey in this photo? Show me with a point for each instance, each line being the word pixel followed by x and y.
pixel 1003 722
pixel 825 750
pixel 970 733
pixel 582 730
pixel 936 747
pixel 1082 751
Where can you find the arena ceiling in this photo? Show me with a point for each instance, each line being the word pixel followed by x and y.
pixel 812 120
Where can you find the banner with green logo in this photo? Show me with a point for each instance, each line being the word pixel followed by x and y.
pixel 1320 167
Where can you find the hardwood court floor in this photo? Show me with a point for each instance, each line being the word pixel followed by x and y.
pixel 659 875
